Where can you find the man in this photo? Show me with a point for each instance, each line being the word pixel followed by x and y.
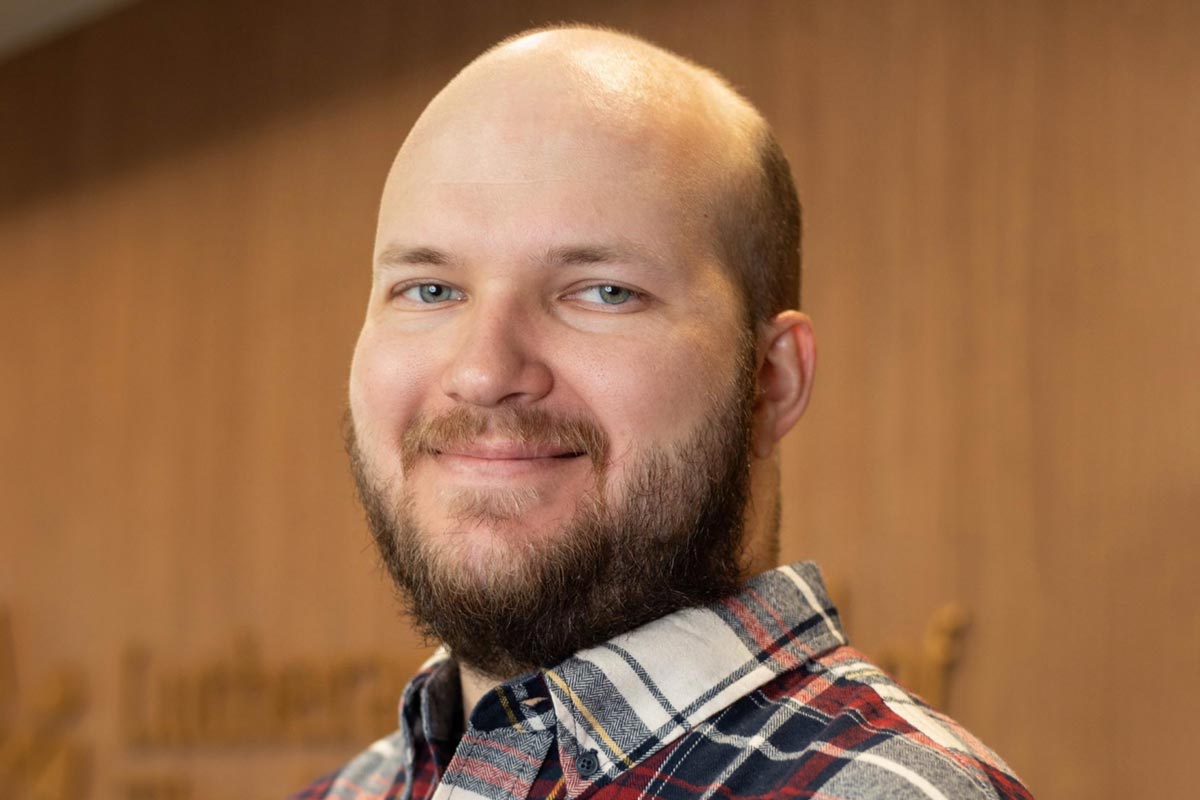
pixel 579 355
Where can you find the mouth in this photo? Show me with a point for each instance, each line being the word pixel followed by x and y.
pixel 503 451
pixel 503 462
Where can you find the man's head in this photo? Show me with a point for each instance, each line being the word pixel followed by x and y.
pixel 576 360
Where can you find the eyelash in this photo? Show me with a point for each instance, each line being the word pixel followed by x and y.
pixel 398 291
pixel 634 294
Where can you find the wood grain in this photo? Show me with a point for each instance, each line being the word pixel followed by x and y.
pixel 1002 261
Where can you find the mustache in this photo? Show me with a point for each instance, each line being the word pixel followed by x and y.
pixel 427 436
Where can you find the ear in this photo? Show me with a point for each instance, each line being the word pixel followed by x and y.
pixel 787 359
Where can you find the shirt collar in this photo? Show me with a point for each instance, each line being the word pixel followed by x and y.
pixel 623 700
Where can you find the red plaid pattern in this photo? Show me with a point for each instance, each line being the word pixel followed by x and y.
pixel 757 696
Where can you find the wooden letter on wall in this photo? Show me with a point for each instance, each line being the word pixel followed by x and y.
pixel 39 760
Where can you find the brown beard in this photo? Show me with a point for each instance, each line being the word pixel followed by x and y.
pixel 674 539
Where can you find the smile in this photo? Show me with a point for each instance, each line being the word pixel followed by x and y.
pixel 504 460
pixel 506 451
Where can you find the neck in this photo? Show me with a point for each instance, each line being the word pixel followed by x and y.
pixel 762 516
pixel 474 686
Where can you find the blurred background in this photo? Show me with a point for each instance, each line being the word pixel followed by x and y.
pixel 999 472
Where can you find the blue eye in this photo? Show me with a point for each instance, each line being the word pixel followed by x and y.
pixel 431 293
pixel 610 295
pixel 614 295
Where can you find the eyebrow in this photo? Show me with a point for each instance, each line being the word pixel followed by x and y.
pixel 592 254
pixel 567 256
pixel 396 255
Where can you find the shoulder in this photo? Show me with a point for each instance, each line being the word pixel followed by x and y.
pixel 317 790
pixel 373 773
pixel 840 726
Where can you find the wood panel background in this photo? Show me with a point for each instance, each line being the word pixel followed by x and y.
pixel 1002 263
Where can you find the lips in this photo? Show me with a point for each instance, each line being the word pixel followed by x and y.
pixel 489 462
pixel 507 451
pixel 509 441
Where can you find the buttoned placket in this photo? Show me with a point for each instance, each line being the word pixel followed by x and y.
pixel 504 748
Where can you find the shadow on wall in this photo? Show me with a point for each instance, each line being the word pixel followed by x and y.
pixel 119 93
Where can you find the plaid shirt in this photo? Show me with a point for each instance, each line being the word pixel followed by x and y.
pixel 756 696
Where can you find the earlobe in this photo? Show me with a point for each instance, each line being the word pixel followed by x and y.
pixel 785 378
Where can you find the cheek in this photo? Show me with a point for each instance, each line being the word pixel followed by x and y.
pixel 651 392
pixel 667 381
pixel 386 380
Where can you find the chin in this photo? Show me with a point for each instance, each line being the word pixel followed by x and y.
pixel 490 549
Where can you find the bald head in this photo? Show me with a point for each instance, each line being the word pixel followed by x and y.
pixel 555 102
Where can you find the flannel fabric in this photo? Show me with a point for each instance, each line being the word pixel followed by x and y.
pixel 756 696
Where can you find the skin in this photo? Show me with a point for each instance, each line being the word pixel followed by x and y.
pixel 560 164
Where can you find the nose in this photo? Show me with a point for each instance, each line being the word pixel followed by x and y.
pixel 496 358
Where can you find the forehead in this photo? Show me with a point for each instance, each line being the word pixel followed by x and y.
pixel 534 214
pixel 544 172
pixel 511 150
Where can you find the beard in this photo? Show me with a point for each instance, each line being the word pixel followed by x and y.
pixel 673 538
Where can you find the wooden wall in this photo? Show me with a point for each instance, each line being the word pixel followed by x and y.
pixel 1003 263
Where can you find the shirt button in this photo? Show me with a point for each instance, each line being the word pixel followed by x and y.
pixel 588 763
